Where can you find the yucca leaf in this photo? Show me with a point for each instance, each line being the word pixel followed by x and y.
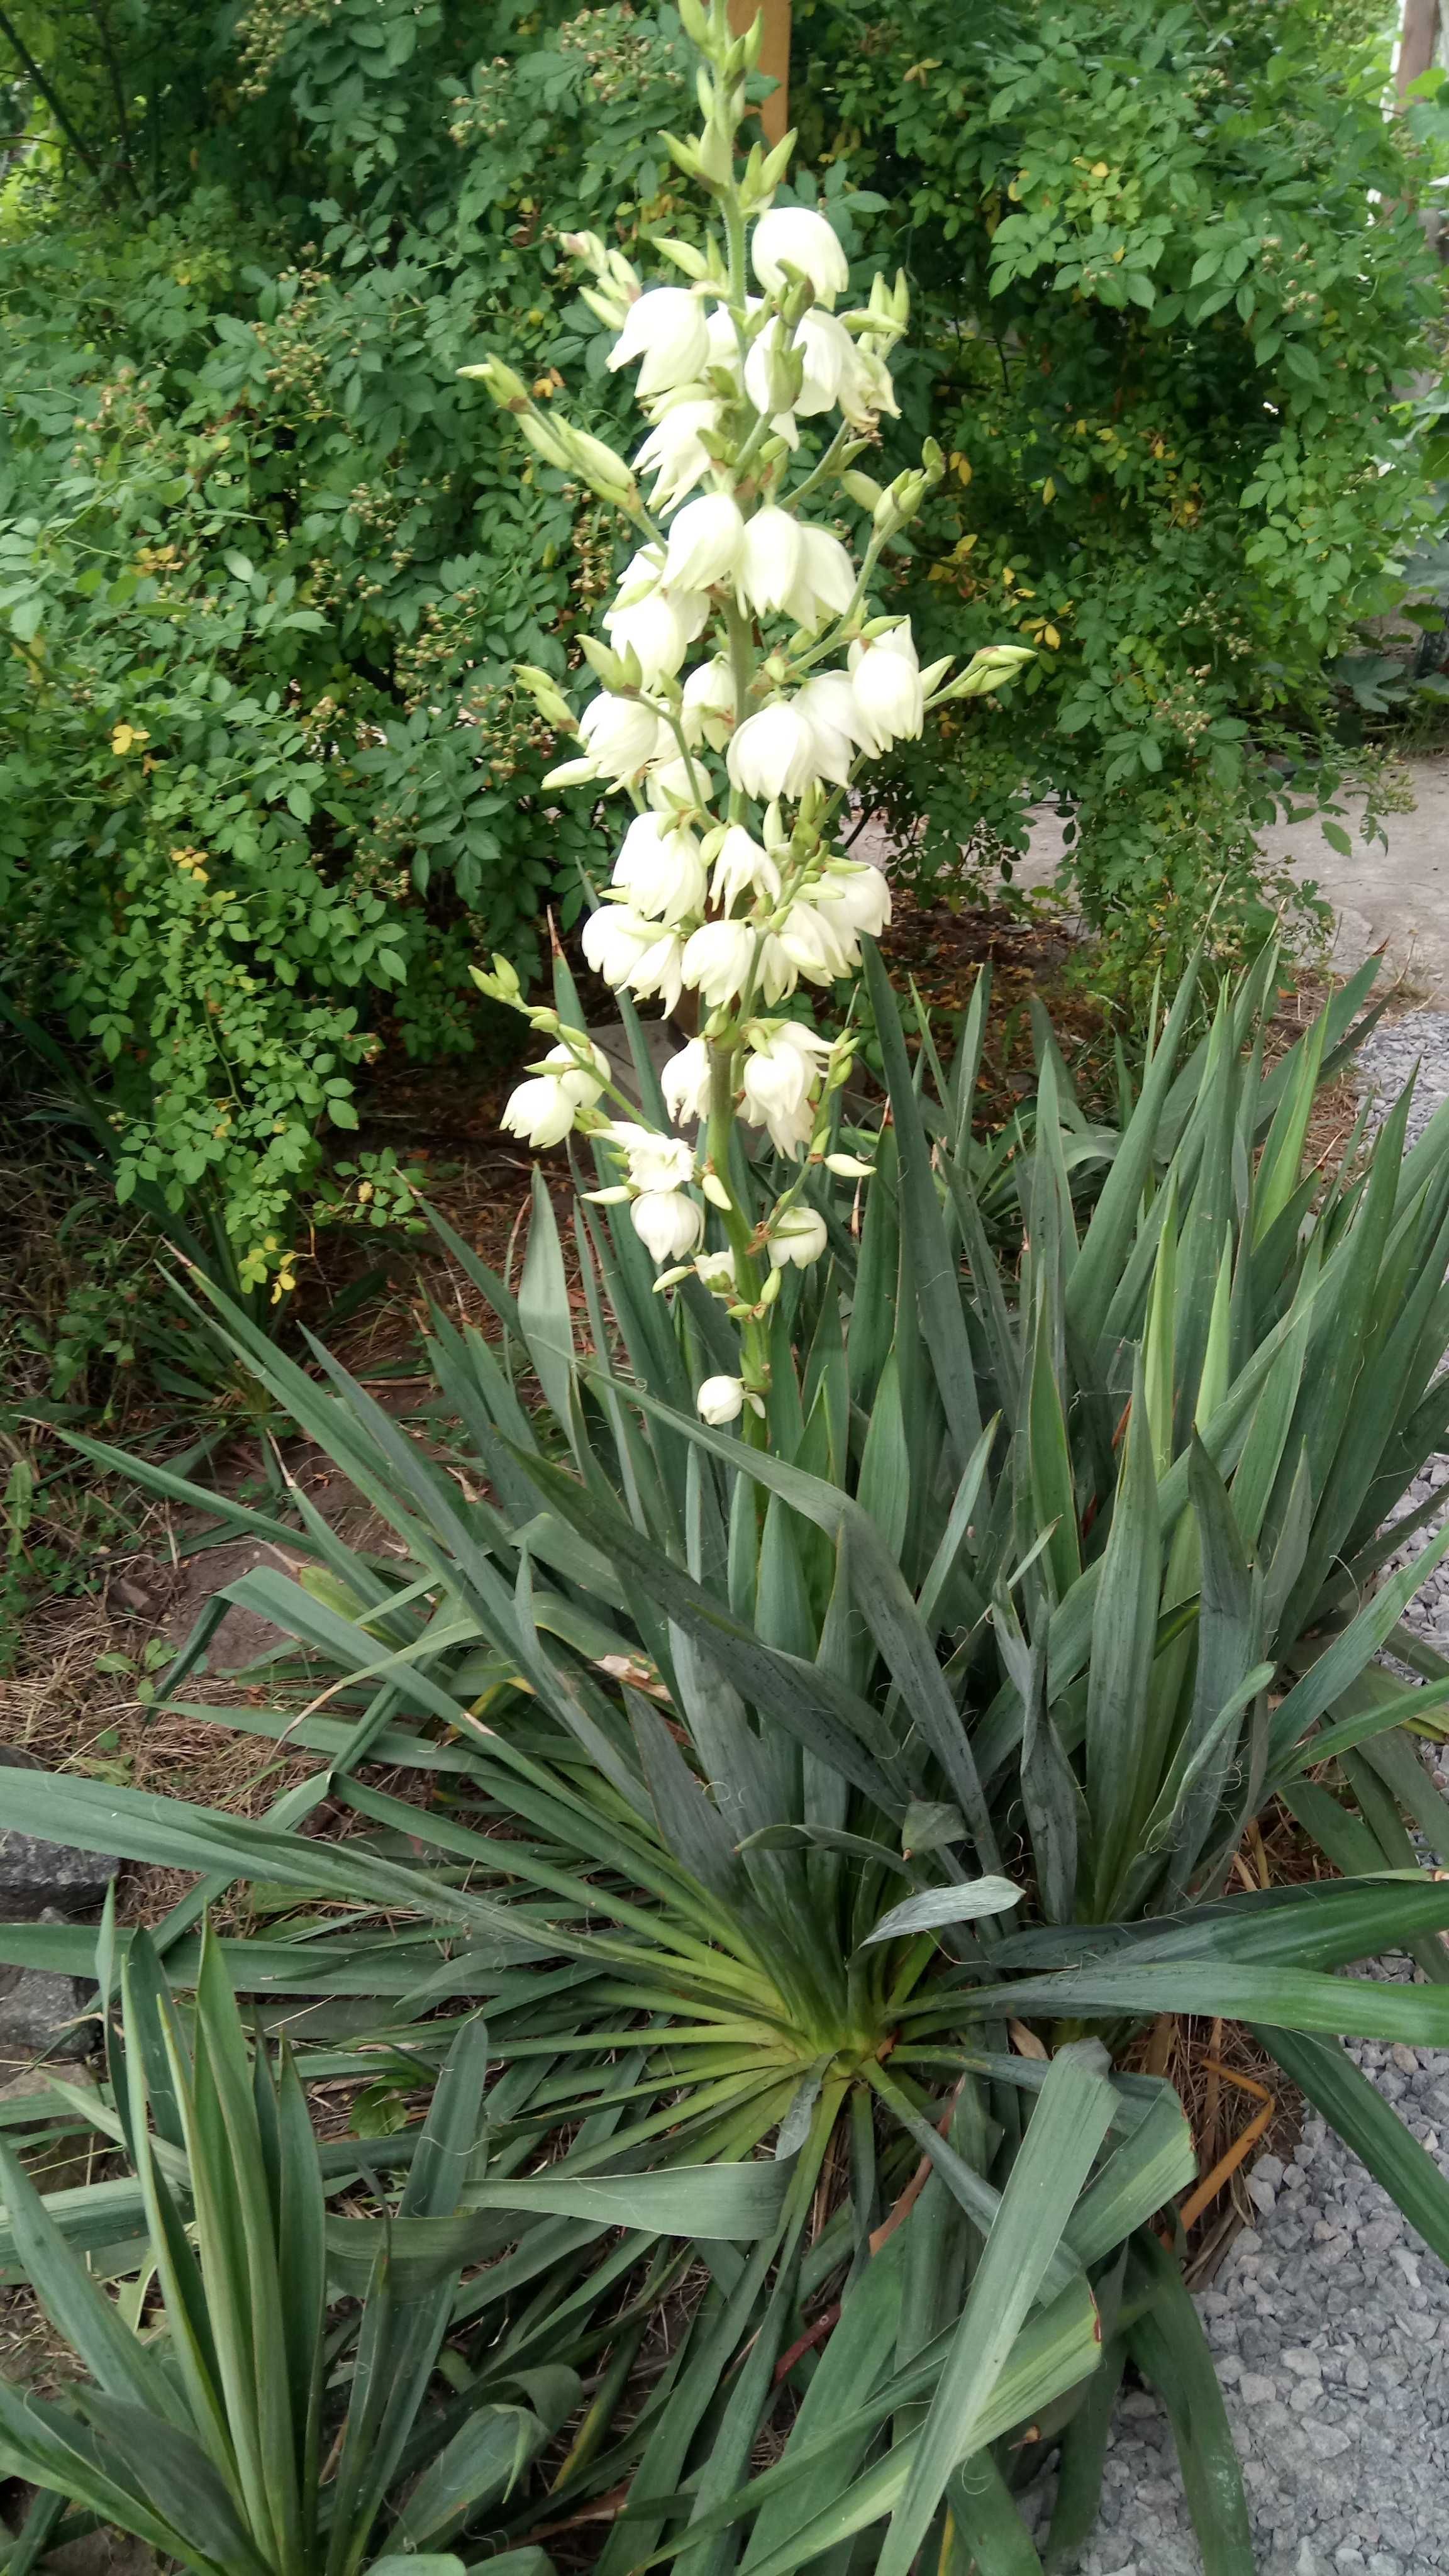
pixel 938 1295
pixel 487 2455
pixel 1054 2351
pixel 50 2447
pixel 1100 1261
pixel 963 1903
pixel 1169 2347
pixel 1367 2123
pixel 832 1721
pixel 740 2202
pixel 1082 2459
pixel 985 2534
pixel 1067 2127
pixel 1124 1638
pixel 173 1835
pixel 882 1595
pixel 122 2365
pixel 1343 1660
pixel 1289 1998
pixel 544 1322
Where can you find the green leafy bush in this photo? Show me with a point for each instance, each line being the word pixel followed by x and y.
pixel 1172 286
pixel 266 567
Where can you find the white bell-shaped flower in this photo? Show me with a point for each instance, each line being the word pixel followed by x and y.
pixel 710 703
pixel 776 974
pixel 821 950
pixel 660 869
pixel 667 328
pixel 674 451
pixel 685 1083
pixel 743 867
pixel 797 1235
pixel 543 1111
pixel 825 580
pixel 768 564
pixel 623 736
pixel 804 241
pixel 653 631
pixel 614 939
pixel 704 540
pixel 656 1161
pixel 672 785
pixel 657 625
pixel 867 390
pixel 717 960
pixel 781 1071
pixel 716 1272
pixel 855 893
pixel 828 705
pixel 720 1400
pixel 774 753
pixel 667 1223
pixel 886 679
pixel 625 949
pixel 540 1112
pixel 829 353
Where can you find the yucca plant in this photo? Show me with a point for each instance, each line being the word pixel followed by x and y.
pixel 765 1748
pixel 851 1636
pixel 295 2403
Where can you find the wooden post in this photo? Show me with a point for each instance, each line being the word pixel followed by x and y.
pixel 1417 37
pixel 775 56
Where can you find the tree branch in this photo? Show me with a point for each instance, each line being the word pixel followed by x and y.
pixel 52 99
pixel 118 93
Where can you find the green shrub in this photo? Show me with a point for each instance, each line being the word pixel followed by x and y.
pixel 266 781
pixel 1172 290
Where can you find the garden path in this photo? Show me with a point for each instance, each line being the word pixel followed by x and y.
pixel 1394 896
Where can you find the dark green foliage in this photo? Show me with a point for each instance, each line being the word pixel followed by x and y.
pixel 266 564
pixel 1170 286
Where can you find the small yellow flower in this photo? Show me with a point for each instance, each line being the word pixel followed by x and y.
pixel 128 738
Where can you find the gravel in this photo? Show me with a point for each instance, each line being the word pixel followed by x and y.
pixel 1329 2319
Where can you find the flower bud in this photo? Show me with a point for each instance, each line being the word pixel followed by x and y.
pixel 603 471
pixel 988 670
pixel 544 438
pixel 686 256
pixel 547 696
pixel 508 390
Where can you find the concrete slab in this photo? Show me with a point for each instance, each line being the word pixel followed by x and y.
pixel 1394 897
